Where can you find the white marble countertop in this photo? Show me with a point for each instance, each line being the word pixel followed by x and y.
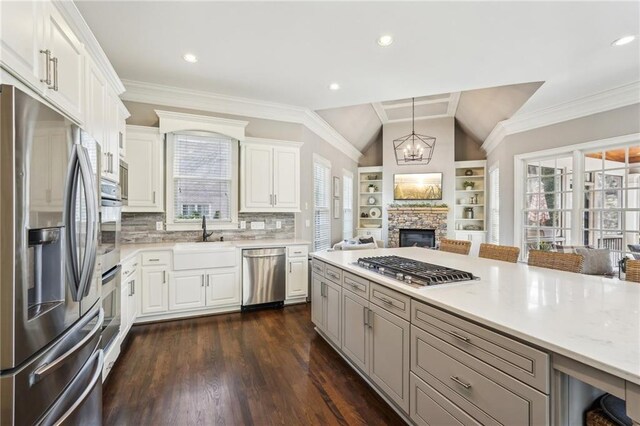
pixel 128 250
pixel 590 319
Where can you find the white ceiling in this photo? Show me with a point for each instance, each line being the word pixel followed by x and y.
pixel 289 52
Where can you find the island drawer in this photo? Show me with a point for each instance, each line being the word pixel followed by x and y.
pixel 357 284
pixel 318 267
pixel 154 258
pixel 391 300
pixel 332 273
pixel 429 407
pixel 487 394
pixel 514 358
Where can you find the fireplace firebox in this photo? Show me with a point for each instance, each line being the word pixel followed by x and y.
pixel 418 238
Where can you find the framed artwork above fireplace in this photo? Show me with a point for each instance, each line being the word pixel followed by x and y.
pixel 417 186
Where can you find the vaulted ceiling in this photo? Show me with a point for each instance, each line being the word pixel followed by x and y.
pixel 289 52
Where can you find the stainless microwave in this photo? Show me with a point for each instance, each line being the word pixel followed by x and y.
pixel 124 182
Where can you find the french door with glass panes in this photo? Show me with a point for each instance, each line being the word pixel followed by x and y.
pixel 587 197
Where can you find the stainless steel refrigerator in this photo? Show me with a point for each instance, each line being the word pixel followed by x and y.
pixel 50 315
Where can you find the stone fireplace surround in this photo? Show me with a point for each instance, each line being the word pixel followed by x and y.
pixel 416 218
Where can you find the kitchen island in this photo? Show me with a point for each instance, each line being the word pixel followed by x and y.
pixel 519 328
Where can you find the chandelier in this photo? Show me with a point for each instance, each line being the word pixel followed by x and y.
pixel 414 148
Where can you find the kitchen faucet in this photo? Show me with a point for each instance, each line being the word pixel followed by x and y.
pixel 205 235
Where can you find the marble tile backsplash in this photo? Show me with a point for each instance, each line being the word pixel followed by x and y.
pixel 141 228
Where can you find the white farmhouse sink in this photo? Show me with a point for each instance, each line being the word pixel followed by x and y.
pixel 205 255
pixel 203 246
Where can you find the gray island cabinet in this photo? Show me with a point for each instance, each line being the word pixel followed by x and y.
pixel 431 355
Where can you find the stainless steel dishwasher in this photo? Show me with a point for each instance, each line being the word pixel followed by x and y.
pixel 263 277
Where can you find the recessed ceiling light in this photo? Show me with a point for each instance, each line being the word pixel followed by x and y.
pixel 334 86
pixel 190 57
pixel 385 40
pixel 623 40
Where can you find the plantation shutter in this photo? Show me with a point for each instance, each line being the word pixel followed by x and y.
pixel 322 214
pixel 494 214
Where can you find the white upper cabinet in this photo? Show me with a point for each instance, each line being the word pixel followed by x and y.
pixel 144 155
pixel 269 176
pixel 286 178
pixel 66 63
pixel 40 49
pixel 21 39
pixel 42 44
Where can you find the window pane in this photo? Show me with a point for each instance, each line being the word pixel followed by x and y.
pixel 194 198
pixel 347 206
pixel 202 157
pixel 202 175
pixel 321 196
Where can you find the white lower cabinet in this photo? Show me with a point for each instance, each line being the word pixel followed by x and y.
pixel 297 277
pixel 223 287
pixel 187 290
pixel 154 294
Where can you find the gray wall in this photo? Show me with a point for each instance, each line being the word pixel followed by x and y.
pixel 443 160
pixel 467 147
pixel 618 122
pixel 372 155
pixel 143 114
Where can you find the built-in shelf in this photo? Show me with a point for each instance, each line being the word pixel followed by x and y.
pixel 363 201
pixel 462 196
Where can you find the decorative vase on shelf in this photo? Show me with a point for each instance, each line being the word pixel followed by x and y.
pixel 468 188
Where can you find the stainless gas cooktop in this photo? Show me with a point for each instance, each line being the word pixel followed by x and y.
pixel 413 272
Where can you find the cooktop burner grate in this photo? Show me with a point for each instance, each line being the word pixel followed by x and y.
pixel 412 271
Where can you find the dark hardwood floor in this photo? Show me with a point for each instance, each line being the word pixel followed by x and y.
pixel 261 368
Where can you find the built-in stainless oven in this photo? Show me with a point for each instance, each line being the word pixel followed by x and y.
pixel 111 305
pixel 110 210
pixel 124 182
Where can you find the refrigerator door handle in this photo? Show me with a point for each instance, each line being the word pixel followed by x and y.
pixel 49 368
pixel 91 244
pixel 70 194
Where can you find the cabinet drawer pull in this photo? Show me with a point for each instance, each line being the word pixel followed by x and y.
pixel 355 287
pixel 459 336
pixel 297 252
pixel 387 301
pixel 331 274
pixel 154 260
pixel 460 382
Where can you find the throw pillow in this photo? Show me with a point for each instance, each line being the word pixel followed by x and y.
pixel 570 249
pixel 359 246
pixel 596 261
pixel 366 240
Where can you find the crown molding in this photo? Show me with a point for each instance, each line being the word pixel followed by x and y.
pixel 454 99
pixel 380 112
pixel 158 94
pixel 79 26
pixel 607 100
pixel 171 121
